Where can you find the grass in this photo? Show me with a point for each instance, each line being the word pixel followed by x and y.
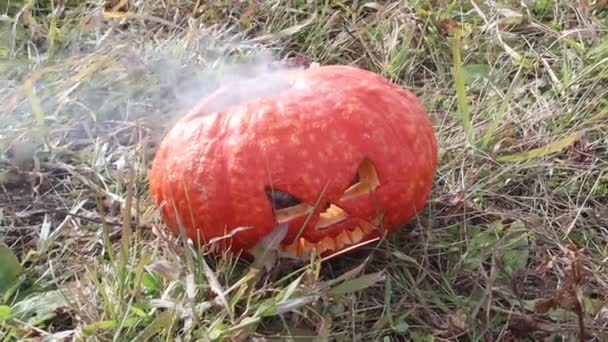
pixel 511 246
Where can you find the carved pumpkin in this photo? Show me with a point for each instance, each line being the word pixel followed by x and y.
pixel 337 153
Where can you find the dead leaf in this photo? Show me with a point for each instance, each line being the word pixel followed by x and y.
pixel 512 22
pixel 245 18
pixel 447 26
pixel 358 284
pixel 215 286
pixel 593 6
pixel 454 199
pixel 325 327
pixel 168 270
pixel 523 326
pixel 569 296
pixel 265 252
pixel 457 323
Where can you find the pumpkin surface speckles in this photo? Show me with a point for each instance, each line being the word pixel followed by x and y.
pixel 266 160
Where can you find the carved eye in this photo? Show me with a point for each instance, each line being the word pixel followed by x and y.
pixel 288 207
pixel 365 181
pixel 280 199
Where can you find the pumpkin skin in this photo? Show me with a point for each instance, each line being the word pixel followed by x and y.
pixel 333 126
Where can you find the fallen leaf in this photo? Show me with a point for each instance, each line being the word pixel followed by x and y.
pixel 266 250
pixel 324 330
pixel 517 255
pixel 40 307
pixel 6 312
pixel 162 322
pixel 593 6
pixel 570 295
pixel 215 285
pixel 554 147
pixel 245 18
pixel 100 326
pixel 475 72
pixel 361 283
pixel 447 26
pixel 457 323
pixel 523 326
pixel 543 306
pixel 293 304
pixel 512 22
pixel 168 270
pixel 455 199
pixel 286 32
pixel 10 268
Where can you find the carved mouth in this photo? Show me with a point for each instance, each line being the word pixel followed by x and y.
pixel 302 247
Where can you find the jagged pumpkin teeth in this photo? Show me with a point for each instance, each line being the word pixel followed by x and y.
pixel 367 228
pixel 295 248
pixel 272 152
pixel 292 248
pixel 357 235
pixel 327 244
pixel 345 238
pixel 339 243
pixel 304 247
pixel 377 221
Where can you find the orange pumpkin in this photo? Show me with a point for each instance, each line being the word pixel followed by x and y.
pixel 339 155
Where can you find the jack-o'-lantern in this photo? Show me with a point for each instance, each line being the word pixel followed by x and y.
pixel 337 153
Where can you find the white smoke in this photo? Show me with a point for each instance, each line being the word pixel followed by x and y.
pixel 95 85
pixel 174 81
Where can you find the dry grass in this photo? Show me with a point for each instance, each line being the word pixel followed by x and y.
pixel 513 242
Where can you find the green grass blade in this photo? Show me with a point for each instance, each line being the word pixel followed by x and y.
pixel 461 92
